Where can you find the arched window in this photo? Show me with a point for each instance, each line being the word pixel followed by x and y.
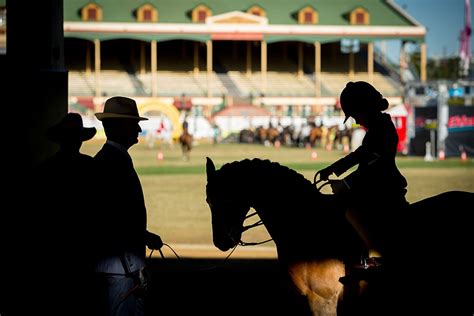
pixel 307 15
pixel 359 16
pixel 256 10
pixel 91 12
pixel 147 13
pixel 200 13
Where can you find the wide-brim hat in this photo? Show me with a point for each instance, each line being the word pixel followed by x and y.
pixel 70 128
pixel 120 108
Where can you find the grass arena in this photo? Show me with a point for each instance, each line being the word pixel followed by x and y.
pixel 174 189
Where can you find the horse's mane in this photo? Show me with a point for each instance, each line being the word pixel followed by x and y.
pixel 271 172
pixel 257 164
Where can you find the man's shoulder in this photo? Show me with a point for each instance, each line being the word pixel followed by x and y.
pixel 105 151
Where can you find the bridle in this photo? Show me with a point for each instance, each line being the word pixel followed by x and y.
pixel 259 222
pixel 239 243
pixel 247 227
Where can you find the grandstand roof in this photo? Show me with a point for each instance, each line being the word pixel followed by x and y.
pixel 331 12
pixel 119 20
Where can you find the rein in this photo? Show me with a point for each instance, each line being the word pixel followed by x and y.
pixel 199 269
pixel 247 227
pixel 317 182
pixel 257 223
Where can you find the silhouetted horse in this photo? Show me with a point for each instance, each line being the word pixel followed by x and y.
pixel 186 141
pixel 427 262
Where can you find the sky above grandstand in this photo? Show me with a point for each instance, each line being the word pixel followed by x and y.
pixel 444 20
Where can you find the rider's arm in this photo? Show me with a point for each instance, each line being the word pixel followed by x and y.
pixel 347 162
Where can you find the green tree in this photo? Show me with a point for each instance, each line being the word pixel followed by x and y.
pixel 438 69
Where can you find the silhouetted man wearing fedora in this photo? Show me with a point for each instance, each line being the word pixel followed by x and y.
pixel 122 234
pixel 60 188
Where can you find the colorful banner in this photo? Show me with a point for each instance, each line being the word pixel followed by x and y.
pixel 460 131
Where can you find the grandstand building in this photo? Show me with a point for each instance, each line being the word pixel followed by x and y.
pixel 291 57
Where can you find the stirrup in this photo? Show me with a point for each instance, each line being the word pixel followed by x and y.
pixel 368 269
pixel 369 263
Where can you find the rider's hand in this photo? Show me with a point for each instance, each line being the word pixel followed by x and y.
pixel 153 241
pixel 337 186
pixel 325 173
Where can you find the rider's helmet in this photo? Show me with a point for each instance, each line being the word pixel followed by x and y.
pixel 361 97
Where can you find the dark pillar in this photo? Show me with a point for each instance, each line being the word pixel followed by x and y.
pixel 37 80
pixel 33 97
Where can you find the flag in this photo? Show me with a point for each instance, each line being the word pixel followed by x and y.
pixel 465 49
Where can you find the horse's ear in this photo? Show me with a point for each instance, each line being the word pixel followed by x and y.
pixel 210 168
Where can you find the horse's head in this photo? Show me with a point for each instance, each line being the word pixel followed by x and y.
pixel 227 210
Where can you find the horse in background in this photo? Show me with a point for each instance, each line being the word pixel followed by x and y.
pixel 316 245
pixel 186 142
pixel 267 136
pixel 315 136
pixel 246 136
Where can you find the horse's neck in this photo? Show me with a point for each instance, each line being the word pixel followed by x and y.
pixel 281 214
pixel 300 225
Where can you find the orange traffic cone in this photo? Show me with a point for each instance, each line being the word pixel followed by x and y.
pixel 441 155
pixel 463 155
pixel 159 155
pixel 314 155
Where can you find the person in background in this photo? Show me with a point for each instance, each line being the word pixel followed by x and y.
pixel 121 227
pixel 216 134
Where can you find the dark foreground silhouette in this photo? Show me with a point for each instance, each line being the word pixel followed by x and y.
pixel 215 287
pixel 427 255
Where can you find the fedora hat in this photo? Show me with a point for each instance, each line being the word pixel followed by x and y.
pixel 70 128
pixel 120 107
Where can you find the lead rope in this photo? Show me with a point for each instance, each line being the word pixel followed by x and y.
pixel 199 269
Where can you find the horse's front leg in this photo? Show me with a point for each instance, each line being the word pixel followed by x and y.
pixel 319 282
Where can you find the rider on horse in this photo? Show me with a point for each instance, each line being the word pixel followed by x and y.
pixel 376 189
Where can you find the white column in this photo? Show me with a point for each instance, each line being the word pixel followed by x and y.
pixel 154 67
pixel 370 61
pixel 142 58
pixel 248 67
pixel 97 67
pixel 317 68
pixel 196 58
pixel 300 60
pixel 209 67
pixel 264 65
pixel 423 62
